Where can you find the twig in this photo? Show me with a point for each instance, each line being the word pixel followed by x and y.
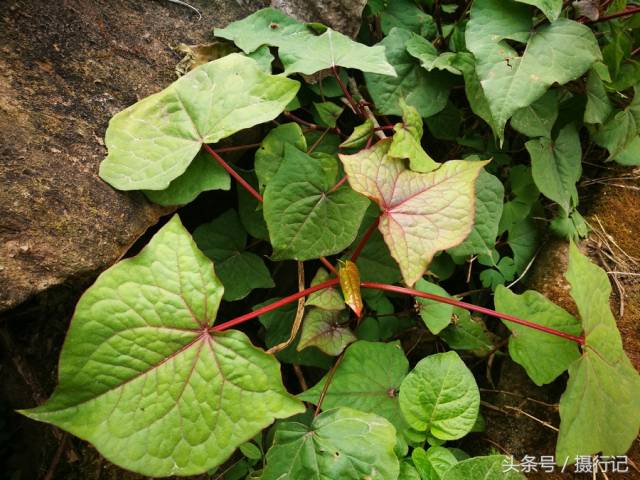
pixel 300 376
pixel 233 173
pixel 297 321
pixel 317 142
pixel 185 4
pixel 528 399
pixel 354 106
pixel 367 111
pixel 526 269
pixel 56 457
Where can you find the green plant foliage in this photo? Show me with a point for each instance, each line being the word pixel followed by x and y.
pixel 466 333
pixel 429 57
pixel 368 379
pixel 327 299
pixel 270 154
pixel 440 396
pixel 426 91
pixel 486 468
pixel 406 141
pixel 413 203
pixel 340 443
pixel 433 463
pixel 621 129
pixel 328 330
pixel 555 53
pixel 435 315
pixel 295 40
pixel 543 356
pixel 537 119
pixel 152 313
pixel 359 136
pixel 223 240
pixel 306 219
pixel 551 8
pixel 600 409
pixel 154 141
pixel 406 14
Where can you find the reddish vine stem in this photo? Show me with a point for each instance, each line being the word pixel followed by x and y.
pixel 384 127
pixel 327 264
pixel 233 173
pixel 624 13
pixel 274 305
pixel 237 148
pixel 364 240
pixel 325 387
pixel 474 308
pixel 311 125
pixel 339 184
pixel 354 105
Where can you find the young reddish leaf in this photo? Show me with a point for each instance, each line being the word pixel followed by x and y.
pixel 350 284
pixel 145 380
pixel 422 213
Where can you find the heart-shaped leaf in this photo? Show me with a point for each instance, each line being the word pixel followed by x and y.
pixel 492 467
pixel 271 152
pixel 435 315
pixel 223 240
pixel 368 379
pixel 406 141
pixel 422 213
pixel 340 444
pixel 296 40
pixel 305 216
pixel 433 463
pixel 328 330
pixel 144 378
pixel 153 141
pixel 555 53
pixel 440 396
pixel 600 409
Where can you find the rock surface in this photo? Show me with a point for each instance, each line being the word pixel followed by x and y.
pixel 67 67
pixel 341 15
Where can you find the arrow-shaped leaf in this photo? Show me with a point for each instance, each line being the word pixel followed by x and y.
pixel 422 213
pixel 144 379
pixel 154 141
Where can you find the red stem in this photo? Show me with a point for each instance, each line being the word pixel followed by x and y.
pixel 384 127
pixel 233 173
pixel 364 240
pixel 274 305
pixel 343 87
pixel 624 13
pixel 327 264
pixel 236 148
pixel 339 184
pixel 474 308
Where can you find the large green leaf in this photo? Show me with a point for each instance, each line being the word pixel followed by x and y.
pixel 542 355
pixel 406 14
pixel 429 57
pixel 153 141
pixel 305 217
pixel 435 315
pixel 551 8
pixel 327 330
pixel 493 467
pixel 426 91
pixel 556 166
pixel 489 204
pixel 406 139
pixel 295 41
pixel 203 174
pixel 368 379
pixel 621 129
pixel 598 106
pixel 340 444
pixel 422 213
pixel 433 463
pixel 144 379
pixel 223 240
pixel 600 409
pixel 537 119
pixel 440 396
pixel 271 152
pixel 555 53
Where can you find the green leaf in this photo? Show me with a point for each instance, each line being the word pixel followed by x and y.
pixel 406 14
pixel 493 467
pixel 555 53
pixel 270 155
pixel 489 204
pixel 295 40
pixel 537 119
pixel 630 156
pixel 435 315
pixel 305 217
pixel 433 463
pixel 405 142
pixel 621 129
pixel 203 174
pixel 600 409
pixel 368 379
pixel 278 324
pixel 250 210
pixel 440 396
pixel 598 106
pixel 429 57
pixel 359 136
pixel 262 57
pixel 144 379
pixel 326 114
pixel 556 166
pixel 251 451
pixel 550 8
pixel 422 213
pixel 340 444
pixel 328 298
pixel 328 330
pixel 408 472
pixel 466 333
pixel 376 263
pixel 542 355
pixel 426 91
pixel 523 239
pixel 223 240
pixel 153 141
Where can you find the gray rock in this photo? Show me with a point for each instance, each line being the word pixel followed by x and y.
pixel 341 15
